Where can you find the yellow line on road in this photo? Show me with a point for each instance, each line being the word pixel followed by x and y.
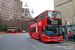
pixel 68 43
pixel 62 42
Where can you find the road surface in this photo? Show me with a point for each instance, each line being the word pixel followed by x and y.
pixel 22 41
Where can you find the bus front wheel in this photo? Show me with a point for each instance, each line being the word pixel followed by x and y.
pixel 39 37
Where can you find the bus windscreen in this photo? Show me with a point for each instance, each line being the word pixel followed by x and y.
pixel 10 29
pixel 53 14
pixel 53 30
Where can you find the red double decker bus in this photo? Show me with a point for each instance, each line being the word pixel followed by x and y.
pixel 47 26
pixel 11 30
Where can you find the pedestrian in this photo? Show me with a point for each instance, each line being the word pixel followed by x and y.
pixel 69 34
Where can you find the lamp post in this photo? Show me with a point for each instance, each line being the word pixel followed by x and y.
pixel 67 23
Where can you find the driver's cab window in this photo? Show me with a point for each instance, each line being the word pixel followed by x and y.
pixel 43 29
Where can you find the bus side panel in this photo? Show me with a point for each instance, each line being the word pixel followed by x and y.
pixel 36 35
pixel 33 35
pixel 39 31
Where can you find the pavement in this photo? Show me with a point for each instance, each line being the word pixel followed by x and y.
pixel 3 32
pixel 72 41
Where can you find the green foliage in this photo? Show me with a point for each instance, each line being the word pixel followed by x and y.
pixel 27 30
pixel 0 21
pixel 3 26
pixel 6 25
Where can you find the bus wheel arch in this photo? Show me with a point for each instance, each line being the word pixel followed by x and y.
pixel 39 38
pixel 30 35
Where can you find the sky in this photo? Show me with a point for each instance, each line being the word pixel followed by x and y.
pixel 38 6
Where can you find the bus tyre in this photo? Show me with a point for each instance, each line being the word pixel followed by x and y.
pixel 39 37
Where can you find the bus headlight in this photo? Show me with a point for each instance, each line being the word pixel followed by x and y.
pixel 61 36
pixel 48 37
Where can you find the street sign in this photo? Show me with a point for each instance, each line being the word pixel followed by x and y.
pixel 67 18
pixel 66 22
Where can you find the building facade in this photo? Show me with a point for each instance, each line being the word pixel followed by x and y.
pixel 26 17
pixel 11 12
pixel 26 13
pixel 67 9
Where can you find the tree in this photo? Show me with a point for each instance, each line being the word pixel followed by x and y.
pixel 1 25
pixel 0 21
pixel 27 30
pixel 5 26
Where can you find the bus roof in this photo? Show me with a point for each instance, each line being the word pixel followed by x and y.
pixel 44 11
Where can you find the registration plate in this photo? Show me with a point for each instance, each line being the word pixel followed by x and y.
pixel 55 40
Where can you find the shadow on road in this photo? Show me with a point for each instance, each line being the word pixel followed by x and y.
pixel 52 42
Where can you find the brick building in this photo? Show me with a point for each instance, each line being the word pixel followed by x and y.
pixel 11 13
pixel 67 9
pixel 26 17
pixel 11 10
